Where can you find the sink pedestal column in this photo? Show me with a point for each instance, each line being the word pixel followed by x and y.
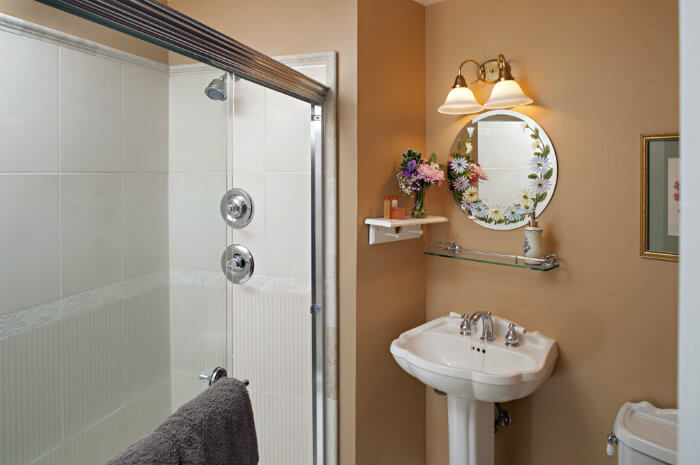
pixel 470 424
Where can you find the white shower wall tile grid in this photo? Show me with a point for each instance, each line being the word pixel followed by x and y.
pixel 29 244
pixel 198 335
pixel 30 399
pixel 197 233
pixel 29 107
pixel 91 231
pixel 281 440
pixel 145 213
pixel 197 125
pixel 271 340
pixel 78 216
pixel 90 112
pixel 145 127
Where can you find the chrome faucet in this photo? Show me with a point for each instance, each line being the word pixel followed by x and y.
pixel 487 326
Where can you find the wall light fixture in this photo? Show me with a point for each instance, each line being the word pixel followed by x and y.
pixel 505 94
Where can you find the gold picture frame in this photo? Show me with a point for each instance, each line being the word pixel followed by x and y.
pixel 645 251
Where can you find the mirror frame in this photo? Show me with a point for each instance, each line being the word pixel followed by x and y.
pixel 544 138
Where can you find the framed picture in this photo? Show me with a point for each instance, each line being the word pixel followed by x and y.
pixel 660 197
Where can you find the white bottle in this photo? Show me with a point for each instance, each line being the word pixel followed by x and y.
pixel 533 241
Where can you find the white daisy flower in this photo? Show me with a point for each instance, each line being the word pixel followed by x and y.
pixel 471 195
pixel 470 131
pixel 497 213
pixel 459 165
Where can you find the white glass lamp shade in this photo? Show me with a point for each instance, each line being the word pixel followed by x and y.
pixel 506 94
pixel 460 101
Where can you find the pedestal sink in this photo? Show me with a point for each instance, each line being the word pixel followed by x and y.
pixel 474 374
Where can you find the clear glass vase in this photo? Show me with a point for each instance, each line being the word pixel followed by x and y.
pixel 419 210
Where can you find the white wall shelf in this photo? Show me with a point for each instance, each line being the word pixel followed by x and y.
pixel 382 230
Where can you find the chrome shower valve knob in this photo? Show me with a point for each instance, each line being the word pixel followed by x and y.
pixel 237 263
pixel 237 208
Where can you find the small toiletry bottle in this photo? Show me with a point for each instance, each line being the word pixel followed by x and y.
pixel 387 207
pixel 533 240
pixel 394 201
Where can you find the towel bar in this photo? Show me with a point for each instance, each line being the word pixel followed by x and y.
pixel 217 374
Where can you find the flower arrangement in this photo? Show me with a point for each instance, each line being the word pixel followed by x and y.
pixel 416 175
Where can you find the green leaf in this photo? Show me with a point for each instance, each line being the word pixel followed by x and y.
pixel 533 136
pixel 433 158
pixel 546 150
pixel 549 173
pixel 540 197
pixel 532 176
pixel 537 154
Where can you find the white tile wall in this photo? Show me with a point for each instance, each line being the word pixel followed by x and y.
pixel 72 226
pixel 141 170
pixel 284 430
pixel 145 223
pixel 29 104
pixel 91 112
pixel 145 127
pixel 197 231
pixel 30 394
pixel 28 240
pixel 288 224
pixel 287 133
pixel 249 127
pixel 91 231
pixel 94 366
pixel 198 332
pixel 270 319
pixel 100 442
pixel 271 337
pixel 197 125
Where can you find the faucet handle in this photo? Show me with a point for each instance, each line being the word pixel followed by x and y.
pixel 465 327
pixel 512 337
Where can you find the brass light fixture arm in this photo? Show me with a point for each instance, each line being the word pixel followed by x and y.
pixel 490 71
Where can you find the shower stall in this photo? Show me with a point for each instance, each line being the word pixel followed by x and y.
pixel 166 217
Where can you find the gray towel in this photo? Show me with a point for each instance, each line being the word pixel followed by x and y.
pixel 216 427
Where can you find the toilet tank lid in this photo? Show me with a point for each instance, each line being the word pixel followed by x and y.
pixel 649 430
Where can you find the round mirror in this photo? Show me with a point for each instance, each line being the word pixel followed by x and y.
pixel 502 166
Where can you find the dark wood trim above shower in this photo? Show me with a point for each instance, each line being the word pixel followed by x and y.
pixel 168 28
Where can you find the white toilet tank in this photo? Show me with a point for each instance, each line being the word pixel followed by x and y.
pixel 646 435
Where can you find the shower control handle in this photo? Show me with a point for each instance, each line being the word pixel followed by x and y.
pixel 237 208
pixel 237 263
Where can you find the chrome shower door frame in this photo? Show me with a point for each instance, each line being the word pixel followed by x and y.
pixel 161 25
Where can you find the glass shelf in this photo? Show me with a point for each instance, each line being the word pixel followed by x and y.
pixel 453 250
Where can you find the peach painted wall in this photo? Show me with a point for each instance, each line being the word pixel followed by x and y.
pixel 390 277
pixel 44 15
pixel 601 74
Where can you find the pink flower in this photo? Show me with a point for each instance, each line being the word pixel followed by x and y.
pixel 430 172
pixel 479 172
pixel 676 196
pixel 677 185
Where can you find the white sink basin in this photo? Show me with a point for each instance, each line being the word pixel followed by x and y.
pixel 474 374
pixel 436 354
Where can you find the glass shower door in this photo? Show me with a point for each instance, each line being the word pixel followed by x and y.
pixel 112 299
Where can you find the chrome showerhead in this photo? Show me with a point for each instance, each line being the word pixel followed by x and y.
pixel 216 90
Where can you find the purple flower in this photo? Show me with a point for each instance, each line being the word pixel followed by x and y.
pixel 460 184
pixel 408 172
